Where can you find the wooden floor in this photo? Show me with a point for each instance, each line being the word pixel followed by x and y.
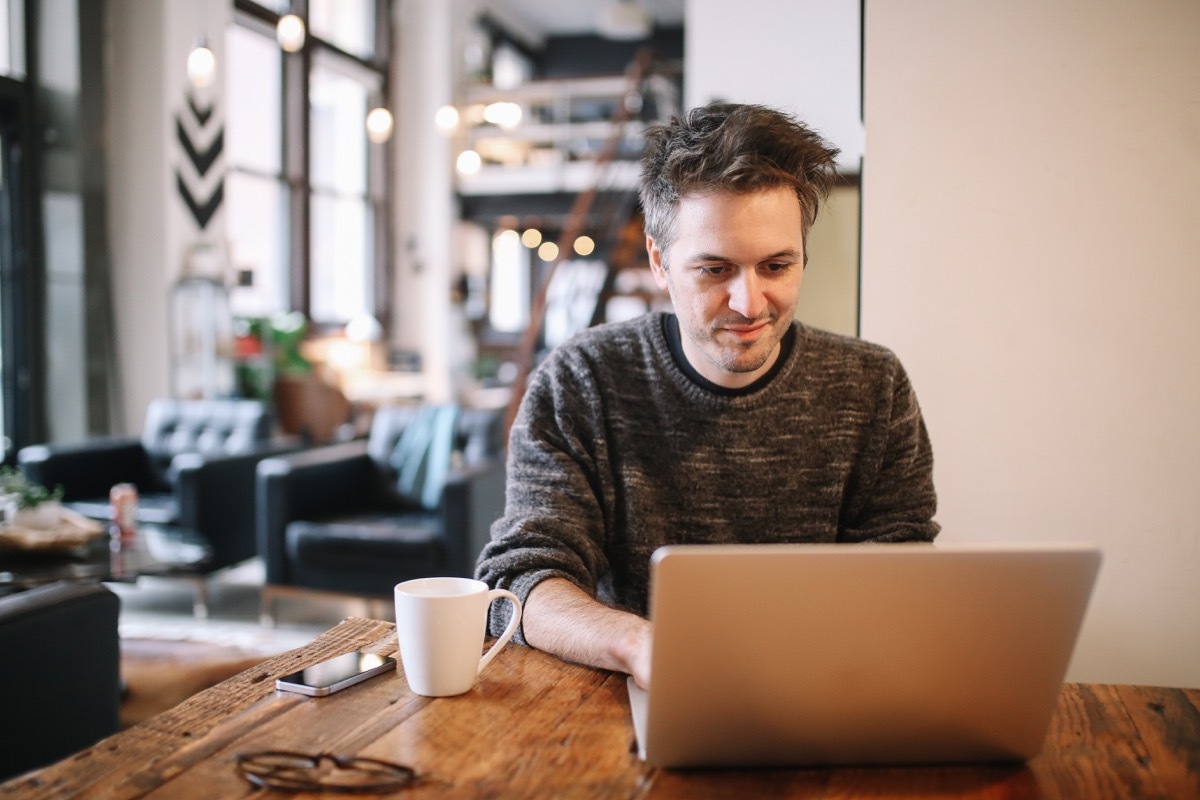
pixel 158 675
pixel 167 654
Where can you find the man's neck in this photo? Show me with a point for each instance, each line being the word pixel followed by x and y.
pixel 675 343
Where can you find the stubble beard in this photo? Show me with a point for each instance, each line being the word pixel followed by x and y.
pixel 743 357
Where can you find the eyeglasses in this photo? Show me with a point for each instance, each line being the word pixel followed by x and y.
pixel 300 772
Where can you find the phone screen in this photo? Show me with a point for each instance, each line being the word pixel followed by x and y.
pixel 336 673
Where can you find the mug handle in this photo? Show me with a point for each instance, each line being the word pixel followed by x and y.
pixel 513 622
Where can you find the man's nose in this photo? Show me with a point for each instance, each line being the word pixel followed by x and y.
pixel 745 294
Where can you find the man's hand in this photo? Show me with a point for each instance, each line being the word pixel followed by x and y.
pixel 562 619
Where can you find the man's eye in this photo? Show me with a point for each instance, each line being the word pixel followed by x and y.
pixel 714 270
pixel 779 267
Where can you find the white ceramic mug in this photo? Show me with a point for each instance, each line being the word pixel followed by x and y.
pixel 440 625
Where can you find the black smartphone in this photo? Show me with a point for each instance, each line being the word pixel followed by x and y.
pixel 335 674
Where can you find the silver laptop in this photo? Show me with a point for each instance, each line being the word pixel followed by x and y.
pixel 800 655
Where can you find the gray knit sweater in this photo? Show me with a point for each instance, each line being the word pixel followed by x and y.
pixel 616 451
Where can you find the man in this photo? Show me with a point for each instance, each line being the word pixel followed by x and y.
pixel 727 421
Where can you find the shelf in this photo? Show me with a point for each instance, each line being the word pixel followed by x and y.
pixel 574 177
pixel 603 86
pixel 565 126
pixel 549 133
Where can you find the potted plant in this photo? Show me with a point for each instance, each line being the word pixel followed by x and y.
pixel 28 504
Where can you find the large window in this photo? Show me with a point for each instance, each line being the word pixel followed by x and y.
pixel 12 38
pixel 307 198
pixel 13 277
pixel 257 190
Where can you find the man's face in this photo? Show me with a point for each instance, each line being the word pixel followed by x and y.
pixel 733 273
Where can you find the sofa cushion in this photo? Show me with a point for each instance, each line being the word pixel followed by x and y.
pixel 204 426
pixel 365 555
pixel 421 455
pixel 363 542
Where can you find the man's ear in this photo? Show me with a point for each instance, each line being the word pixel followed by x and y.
pixel 658 266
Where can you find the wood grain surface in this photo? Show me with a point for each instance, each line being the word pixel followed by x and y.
pixel 535 727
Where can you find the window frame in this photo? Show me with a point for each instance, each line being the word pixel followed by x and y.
pixel 296 155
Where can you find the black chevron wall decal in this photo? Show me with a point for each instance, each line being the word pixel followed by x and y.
pixel 201 212
pixel 201 161
pixel 200 115
pixel 201 197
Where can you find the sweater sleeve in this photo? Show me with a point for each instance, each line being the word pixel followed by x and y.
pixel 896 501
pixel 553 521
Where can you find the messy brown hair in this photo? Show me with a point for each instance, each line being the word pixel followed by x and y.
pixel 726 147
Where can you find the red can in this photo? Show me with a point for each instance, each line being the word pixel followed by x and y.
pixel 124 500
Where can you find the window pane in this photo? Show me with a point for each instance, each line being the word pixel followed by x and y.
pixel 12 39
pixel 338 131
pixel 66 336
pixel 278 6
pixel 253 88
pixel 347 24
pixel 256 214
pixel 509 306
pixel 9 242
pixel 342 258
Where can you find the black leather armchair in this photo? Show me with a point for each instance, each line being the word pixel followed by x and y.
pixel 416 499
pixel 60 669
pixel 193 466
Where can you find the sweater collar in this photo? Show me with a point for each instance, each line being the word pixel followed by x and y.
pixel 670 329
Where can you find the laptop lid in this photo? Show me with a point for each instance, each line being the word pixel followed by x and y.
pixel 794 655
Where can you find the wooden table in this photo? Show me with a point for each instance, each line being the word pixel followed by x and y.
pixel 534 726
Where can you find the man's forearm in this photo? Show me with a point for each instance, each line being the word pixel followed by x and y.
pixel 561 619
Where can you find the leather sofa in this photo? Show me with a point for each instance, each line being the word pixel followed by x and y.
pixel 60 669
pixel 193 466
pixel 416 499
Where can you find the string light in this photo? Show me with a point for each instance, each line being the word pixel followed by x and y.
pixel 505 238
pixel 584 246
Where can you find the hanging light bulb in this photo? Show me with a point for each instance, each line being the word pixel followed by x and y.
pixel 379 125
pixel 201 64
pixel 289 32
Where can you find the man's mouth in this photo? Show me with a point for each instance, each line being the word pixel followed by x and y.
pixel 746 331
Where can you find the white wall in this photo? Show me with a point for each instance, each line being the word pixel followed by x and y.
pixel 137 203
pixel 149 227
pixel 1032 191
pixel 800 55
pixel 425 256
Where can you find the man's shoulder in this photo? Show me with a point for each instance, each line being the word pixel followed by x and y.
pixel 838 348
pixel 601 352
pixel 608 334
pixel 603 341
pixel 819 338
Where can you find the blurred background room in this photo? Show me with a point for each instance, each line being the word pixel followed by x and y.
pixel 340 207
